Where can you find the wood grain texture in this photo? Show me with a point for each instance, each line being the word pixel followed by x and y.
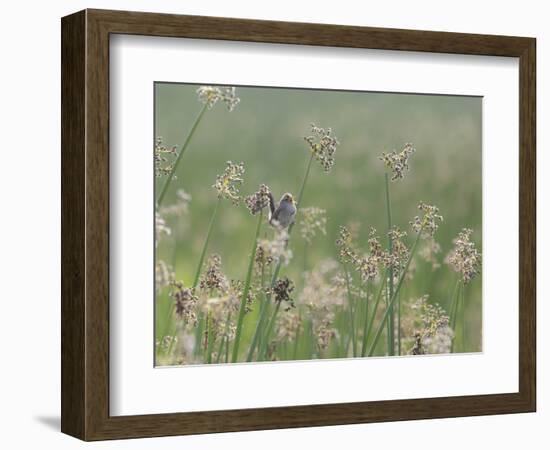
pixel 73 129
pixel 85 224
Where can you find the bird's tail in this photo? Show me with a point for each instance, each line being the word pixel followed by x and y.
pixel 271 205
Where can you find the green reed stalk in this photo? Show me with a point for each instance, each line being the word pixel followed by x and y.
pixel 396 291
pixel 399 324
pixel 302 188
pixel 452 307
pixel 226 350
pixel 454 311
pixel 265 344
pixel 259 329
pixel 206 242
pixel 224 337
pixel 391 331
pixel 295 349
pixel 209 338
pixel 388 329
pixel 261 319
pixel 351 315
pixel 246 289
pixel 198 329
pixel 220 350
pixel 365 323
pixel 168 180
pixel 373 314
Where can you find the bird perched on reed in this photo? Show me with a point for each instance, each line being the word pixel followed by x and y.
pixel 283 214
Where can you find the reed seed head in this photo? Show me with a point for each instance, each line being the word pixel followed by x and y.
pixel 323 145
pixel 325 332
pixel 164 157
pixel 164 275
pixel 213 278
pixel 429 252
pixel 398 162
pixel 287 326
pixel 259 200
pixel 166 342
pixel 323 286
pixel 312 221
pixel 161 228
pixel 397 258
pixel 430 325
pixel 210 95
pixel 464 257
pixel 185 302
pixel 180 207
pixel 427 224
pixel 227 184
pixel 346 251
pixel 276 249
pixel 282 291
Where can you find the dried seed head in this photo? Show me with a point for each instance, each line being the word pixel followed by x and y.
pixel 441 341
pixel 397 258
pixel 346 251
pixel 210 95
pixel 429 252
pixel 312 220
pixel 324 290
pixel 375 248
pixel 166 342
pixel 427 224
pixel 262 257
pixel 287 326
pixel 164 275
pixel 213 278
pixel 227 184
pixel 282 291
pixel 259 200
pixel 323 145
pixel 464 257
pixel 164 157
pixel 418 348
pixel 180 207
pixel 367 266
pixel 398 162
pixel 429 324
pixel 323 286
pixel 276 249
pixel 161 228
pixel 185 302
pixel 324 332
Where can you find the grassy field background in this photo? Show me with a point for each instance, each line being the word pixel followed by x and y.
pixel 266 130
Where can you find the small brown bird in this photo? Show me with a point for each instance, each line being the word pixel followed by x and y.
pixel 283 214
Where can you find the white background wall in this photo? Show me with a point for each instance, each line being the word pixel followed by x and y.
pixel 30 221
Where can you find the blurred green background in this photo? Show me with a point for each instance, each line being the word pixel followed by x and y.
pixel 266 132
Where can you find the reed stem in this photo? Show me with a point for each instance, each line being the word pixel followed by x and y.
pixel 373 314
pixel 168 180
pixel 392 300
pixel 391 331
pixel 242 309
pixel 351 313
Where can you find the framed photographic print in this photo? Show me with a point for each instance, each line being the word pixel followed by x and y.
pixel 272 225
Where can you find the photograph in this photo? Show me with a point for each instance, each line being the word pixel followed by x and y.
pixel 296 224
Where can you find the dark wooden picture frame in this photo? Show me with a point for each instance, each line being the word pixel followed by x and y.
pixel 85 224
